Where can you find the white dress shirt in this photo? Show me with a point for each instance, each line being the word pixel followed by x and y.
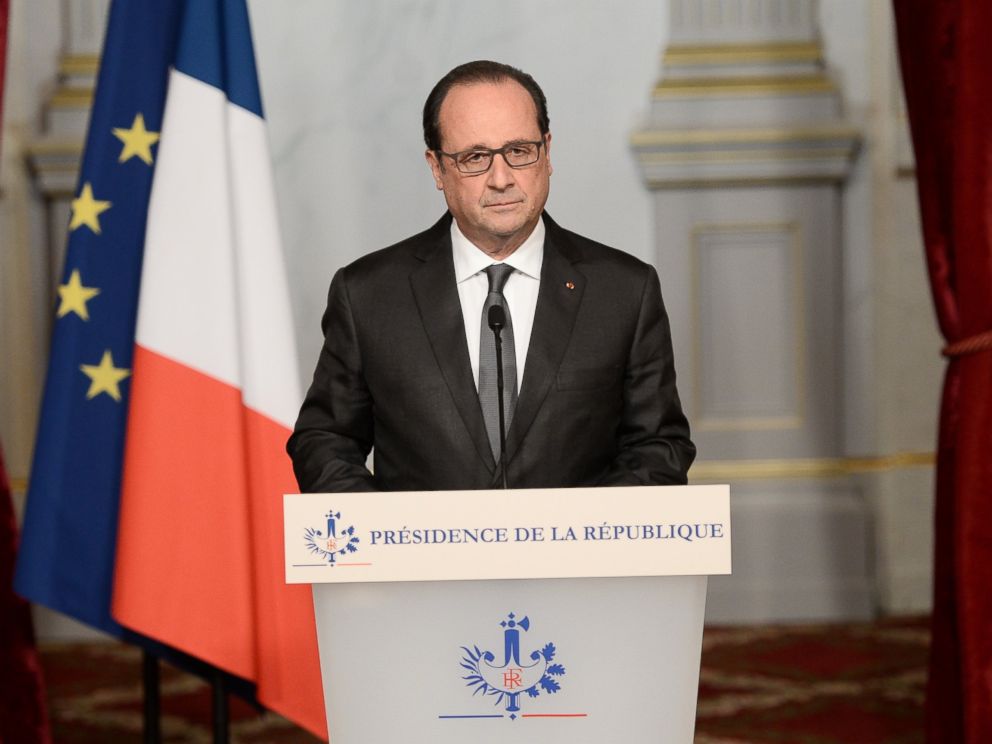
pixel 520 291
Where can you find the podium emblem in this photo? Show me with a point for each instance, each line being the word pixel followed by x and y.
pixel 333 541
pixel 512 674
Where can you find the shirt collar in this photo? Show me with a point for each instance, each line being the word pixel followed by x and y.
pixel 470 260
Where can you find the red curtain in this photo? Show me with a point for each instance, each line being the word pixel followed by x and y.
pixel 4 9
pixel 945 49
pixel 23 715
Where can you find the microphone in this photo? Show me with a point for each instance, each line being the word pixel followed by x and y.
pixel 497 322
pixel 497 319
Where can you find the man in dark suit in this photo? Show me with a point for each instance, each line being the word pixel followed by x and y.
pixel 408 361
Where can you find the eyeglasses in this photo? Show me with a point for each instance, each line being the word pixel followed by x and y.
pixel 480 159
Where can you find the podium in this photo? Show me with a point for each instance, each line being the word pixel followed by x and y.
pixel 558 615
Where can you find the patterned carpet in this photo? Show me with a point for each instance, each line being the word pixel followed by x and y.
pixel 814 684
pixel 799 684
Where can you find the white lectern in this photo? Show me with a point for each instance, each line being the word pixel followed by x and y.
pixel 562 615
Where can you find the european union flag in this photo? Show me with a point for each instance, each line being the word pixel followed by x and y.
pixel 66 559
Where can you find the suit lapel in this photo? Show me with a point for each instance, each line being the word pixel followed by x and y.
pixel 558 303
pixel 436 294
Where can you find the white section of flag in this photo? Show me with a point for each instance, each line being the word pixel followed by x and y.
pixel 214 294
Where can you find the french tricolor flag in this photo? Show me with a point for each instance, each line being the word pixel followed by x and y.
pixel 215 389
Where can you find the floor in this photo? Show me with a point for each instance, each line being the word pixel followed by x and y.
pixel 791 684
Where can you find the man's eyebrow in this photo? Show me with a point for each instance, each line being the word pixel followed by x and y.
pixel 480 146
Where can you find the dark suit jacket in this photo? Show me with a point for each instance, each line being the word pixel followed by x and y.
pixel 597 403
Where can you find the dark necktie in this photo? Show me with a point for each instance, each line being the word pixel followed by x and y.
pixel 488 395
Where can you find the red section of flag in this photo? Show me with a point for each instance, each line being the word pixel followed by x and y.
pixel 184 556
pixel 200 548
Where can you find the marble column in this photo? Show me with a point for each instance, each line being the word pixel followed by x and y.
pixel 746 151
pixel 56 152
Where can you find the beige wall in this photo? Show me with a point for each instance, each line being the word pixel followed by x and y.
pixel 327 63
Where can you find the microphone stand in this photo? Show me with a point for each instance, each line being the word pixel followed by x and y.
pixel 497 319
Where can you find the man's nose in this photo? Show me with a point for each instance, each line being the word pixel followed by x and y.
pixel 501 175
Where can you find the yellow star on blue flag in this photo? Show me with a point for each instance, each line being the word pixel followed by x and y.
pixel 73 297
pixel 137 141
pixel 104 377
pixel 86 210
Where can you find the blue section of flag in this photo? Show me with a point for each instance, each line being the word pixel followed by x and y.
pixel 230 66
pixel 66 558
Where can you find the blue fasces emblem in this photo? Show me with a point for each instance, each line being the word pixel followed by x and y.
pixel 508 676
pixel 335 541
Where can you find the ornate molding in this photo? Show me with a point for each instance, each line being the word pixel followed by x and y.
pixel 696 157
pixel 770 135
pixel 55 165
pixel 698 55
pixel 742 21
pixel 54 157
pixel 783 59
pixel 83 65
pixel 71 97
pixel 744 98
pixel 740 85
pixel 733 470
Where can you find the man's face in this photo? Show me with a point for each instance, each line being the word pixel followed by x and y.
pixel 497 209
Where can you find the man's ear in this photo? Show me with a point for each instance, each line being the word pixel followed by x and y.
pixel 436 168
pixel 547 152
